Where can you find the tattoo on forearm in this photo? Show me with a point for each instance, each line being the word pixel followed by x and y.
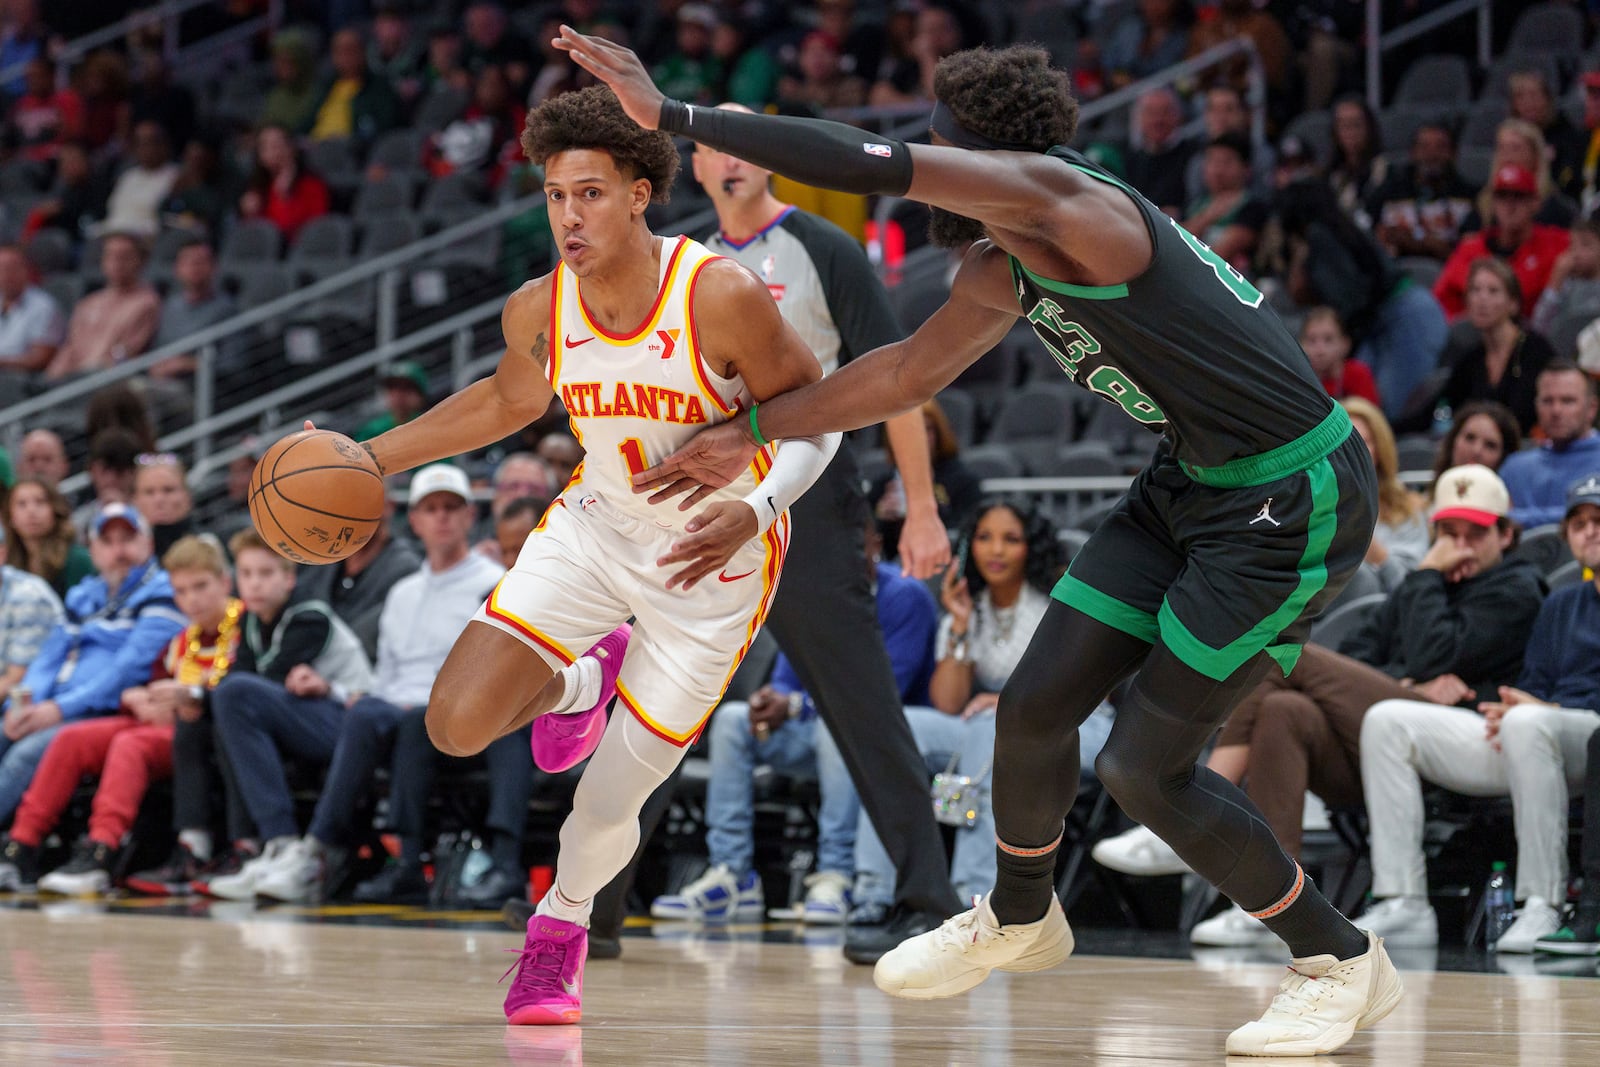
pixel 541 351
pixel 375 461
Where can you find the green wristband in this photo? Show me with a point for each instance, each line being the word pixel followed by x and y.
pixel 755 431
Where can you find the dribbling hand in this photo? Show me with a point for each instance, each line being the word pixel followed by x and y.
pixel 709 542
pixel 710 460
pixel 619 68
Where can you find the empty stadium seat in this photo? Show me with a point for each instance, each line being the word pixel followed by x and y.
pixel 1434 80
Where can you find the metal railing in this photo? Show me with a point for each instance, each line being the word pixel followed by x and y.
pixel 385 272
pixel 1378 42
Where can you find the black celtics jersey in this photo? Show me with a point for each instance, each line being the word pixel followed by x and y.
pixel 1186 348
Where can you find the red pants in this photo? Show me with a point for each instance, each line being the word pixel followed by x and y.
pixel 126 753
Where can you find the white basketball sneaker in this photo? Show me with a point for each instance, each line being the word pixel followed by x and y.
pixel 1138 852
pixel 960 954
pixel 1321 1004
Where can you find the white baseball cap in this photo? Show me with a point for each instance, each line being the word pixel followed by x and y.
pixel 1472 492
pixel 439 478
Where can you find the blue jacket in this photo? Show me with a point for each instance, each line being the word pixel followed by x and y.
pixel 909 618
pixel 1562 664
pixel 1538 478
pixel 107 643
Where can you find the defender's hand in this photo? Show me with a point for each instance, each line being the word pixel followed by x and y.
pixel 619 68
pixel 710 460
pixel 710 540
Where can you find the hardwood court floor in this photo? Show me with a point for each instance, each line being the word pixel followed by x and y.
pixel 78 985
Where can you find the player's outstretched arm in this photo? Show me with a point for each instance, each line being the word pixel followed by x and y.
pixel 489 409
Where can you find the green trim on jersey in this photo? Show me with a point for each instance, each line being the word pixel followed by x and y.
pixel 1076 593
pixel 1220 663
pixel 1290 458
pixel 1082 292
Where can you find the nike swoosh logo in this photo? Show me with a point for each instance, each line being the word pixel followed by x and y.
pixel 571 988
pixel 574 344
pixel 725 577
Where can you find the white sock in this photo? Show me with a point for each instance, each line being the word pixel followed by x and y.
pixel 557 906
pixel 198 843
pixel 581 681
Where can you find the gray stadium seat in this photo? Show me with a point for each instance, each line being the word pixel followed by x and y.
pixel 252 241
pixel 399 150
pixel 332 158
pixel 385 233
pixel 1495 86
pixel 962 413
pixel 66 287
pixel 1336 625
pixel 1569 573
pixel 1482 122
pixel 1434 80
pixel 438 109
pixel 328 238
pixel 1548 27
pixel 1544 546
pixel 1417 452
pixel 1036 412
pixel 992 461
pixel 389 195
pixel 1053 24
pixel 1474 163
pixel 1315 128
pixel 50 250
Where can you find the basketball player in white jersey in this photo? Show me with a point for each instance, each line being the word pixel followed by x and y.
pixel 646 340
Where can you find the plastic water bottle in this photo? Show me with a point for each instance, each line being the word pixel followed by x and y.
pixel 1443 418
pixel 1499 905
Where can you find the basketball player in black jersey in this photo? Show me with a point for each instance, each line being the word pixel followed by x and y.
pixel 1257 508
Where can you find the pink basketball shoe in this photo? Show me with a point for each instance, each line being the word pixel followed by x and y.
pixel 562 741
pixel 548 988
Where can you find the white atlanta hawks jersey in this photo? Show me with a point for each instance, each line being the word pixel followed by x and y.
pixel 635 399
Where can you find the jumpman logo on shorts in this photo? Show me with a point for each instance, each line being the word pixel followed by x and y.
pixel 1265 515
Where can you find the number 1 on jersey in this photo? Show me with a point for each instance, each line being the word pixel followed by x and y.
pixel 633 455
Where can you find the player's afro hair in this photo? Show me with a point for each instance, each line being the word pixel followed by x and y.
pixel 593 118
pixel 1011 95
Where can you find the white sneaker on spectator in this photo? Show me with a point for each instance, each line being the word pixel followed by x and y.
pixel 1536 919
pixel 717 896
pixel 1405 922
pixel 1234 928
pixel 827 899
pixel 1138 852
pixel 242 886
pixel 295 875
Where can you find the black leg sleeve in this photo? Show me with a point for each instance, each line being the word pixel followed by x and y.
pixel 825 619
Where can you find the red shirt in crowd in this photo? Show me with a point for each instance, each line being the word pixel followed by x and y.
pixel 1355 380
pixel 43 122
pixel 1531 262
pixel 289 210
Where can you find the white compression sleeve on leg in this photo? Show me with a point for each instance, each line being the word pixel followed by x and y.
pixel 800 462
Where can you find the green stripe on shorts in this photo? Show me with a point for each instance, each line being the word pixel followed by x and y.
pixel 1220 663
pixel 1103 607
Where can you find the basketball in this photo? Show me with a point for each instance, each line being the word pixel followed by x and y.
pixel 316 497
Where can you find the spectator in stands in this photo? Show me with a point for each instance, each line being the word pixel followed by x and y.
pixel 1358 168
pixel 194 302
pixel 1482 432
pixel 281 189
pixel 1155 162
pixel 405 396
pixel 557 72
pixel 1571 298
pixel 1240 18
pixel 422 617
pixel 1450 634
pixel 202 196
pixel 691 70
pixel 115 323
pixel 955 488
pixel 993 599
pixel 357 586
pixel 293 98
pixel 112 456
pixel 1150 38
pixel 1228 216
pixel 1401 538
pixel 1530 247
pixel 942 27
pixel 131 750
pixel 297 667
pixel 102 84
pixel 490 42
pixel 44 456
pixel 443 68
pixel 77 196
pixel 1224 111
pixel 1499 359
pixel 31 326
pixel 161 493
pixel 354 103
pixel 1533 101
pixel 43 117
pixel 1420 207
pixel 1538 477
pixel 779 726
pixel 517 520
pixel 1527 741
pixel 1520 144
pixel 747 74
pixel 120 405
pixel 1398 327
pixel 22 40
pixel 562 452
pixel 520 476
pixel 1588 195
pixel 819 79
pixel 139 191
pixel 481 141
pixel 29 610
pixel 156 99
pixel 1327 346
pixel 116 623
pixel 393 56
